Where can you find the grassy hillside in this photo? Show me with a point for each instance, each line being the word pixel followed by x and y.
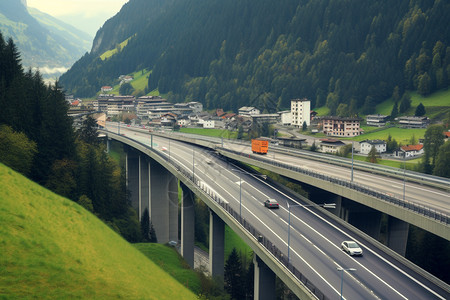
pixel 111 52
pixel 436 104
pixel 53 248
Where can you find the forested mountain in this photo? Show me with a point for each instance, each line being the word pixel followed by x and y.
pixel 37 139
pixel 44 42
pixel 230 53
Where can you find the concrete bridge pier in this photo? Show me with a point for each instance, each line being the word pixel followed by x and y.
pixel 397 237
pixel 132 177
pixel 264 287
pixel 216 245
pixel 187 225
pixel 362 217
pixel 153 187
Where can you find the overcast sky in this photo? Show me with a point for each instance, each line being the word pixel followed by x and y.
pixel 86 15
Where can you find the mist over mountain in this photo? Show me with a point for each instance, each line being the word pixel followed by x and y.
pixel 230 53
pixel 43 41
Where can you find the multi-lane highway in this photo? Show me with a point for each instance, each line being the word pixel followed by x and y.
pixel 314 239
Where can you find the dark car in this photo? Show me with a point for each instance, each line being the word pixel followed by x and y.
pixel 271 203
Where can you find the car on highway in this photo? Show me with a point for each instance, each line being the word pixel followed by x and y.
pixel 271 203
pixel 163 148
pixel 351 248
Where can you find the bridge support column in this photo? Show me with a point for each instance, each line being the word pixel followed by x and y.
pixel 132 175
pixel 163 203
pixel 187 225
pixel 362 217
pixel 144 186
pixel 397 235
pixel 216 245
pixel 264 287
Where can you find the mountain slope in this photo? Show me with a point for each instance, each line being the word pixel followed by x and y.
pixel 52 248
pixel 227 53
pixel 44 42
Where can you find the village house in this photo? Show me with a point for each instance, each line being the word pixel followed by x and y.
pixel 265 118
pixel 413 122
pixel 376 120
pixel 169 119
pixel 183 121
pixel 248 111
pixel 330 145
pixel 409 151
pixel 366 146
pixel 106 88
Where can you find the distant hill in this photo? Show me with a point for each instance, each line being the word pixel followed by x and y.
pixel 52 248
pixel 43 41
pixel 265 52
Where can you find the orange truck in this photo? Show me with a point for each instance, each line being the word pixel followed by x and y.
pixel 260 146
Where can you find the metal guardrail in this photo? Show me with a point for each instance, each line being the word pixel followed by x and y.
pixel 435 181
pixel 425 211
pixel 265 242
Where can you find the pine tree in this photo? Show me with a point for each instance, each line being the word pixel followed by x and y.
pixel 405 103
pixel 420 110
pixel 372 156
pixel 145 226
pixel 394 112
pixel 234 284
pixel 304 126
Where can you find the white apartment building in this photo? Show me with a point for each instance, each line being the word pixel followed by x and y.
pixel 301 112
pixel 366 146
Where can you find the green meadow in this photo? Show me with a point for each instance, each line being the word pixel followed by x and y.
pixel 52 248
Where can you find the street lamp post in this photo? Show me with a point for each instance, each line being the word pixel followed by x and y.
pixel 240 187
pixel 324 205
pixel 342 277
pixel 404 175
pixel 352 163
pixel 193 164
pixel 240 196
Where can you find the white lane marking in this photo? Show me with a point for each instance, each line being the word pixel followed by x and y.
pixel 360 174
pixel 401 271
pixel 373 252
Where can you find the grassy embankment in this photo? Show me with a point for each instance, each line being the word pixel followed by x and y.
pixel 53 248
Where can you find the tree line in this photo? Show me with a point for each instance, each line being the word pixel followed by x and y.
pixel 38 140
pixel 229 53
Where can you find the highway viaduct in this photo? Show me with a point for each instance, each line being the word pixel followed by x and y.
pixel 150 175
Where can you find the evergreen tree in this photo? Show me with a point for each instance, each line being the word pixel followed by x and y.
pixel 88 131
pixel 16 150
pixel 442 165
pixel 394 112
pixel 304 126
pixel 405 103
pixel 249 281
pixel 233 280
pixel 126 89
pixel 240 133
pixel 424 87
pixel 313 147
pixel 372 156
pixel 433 139
pixel 420 110
pixel 145 226
pixel 152 234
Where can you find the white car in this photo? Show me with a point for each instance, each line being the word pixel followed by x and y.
pixel 351 248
